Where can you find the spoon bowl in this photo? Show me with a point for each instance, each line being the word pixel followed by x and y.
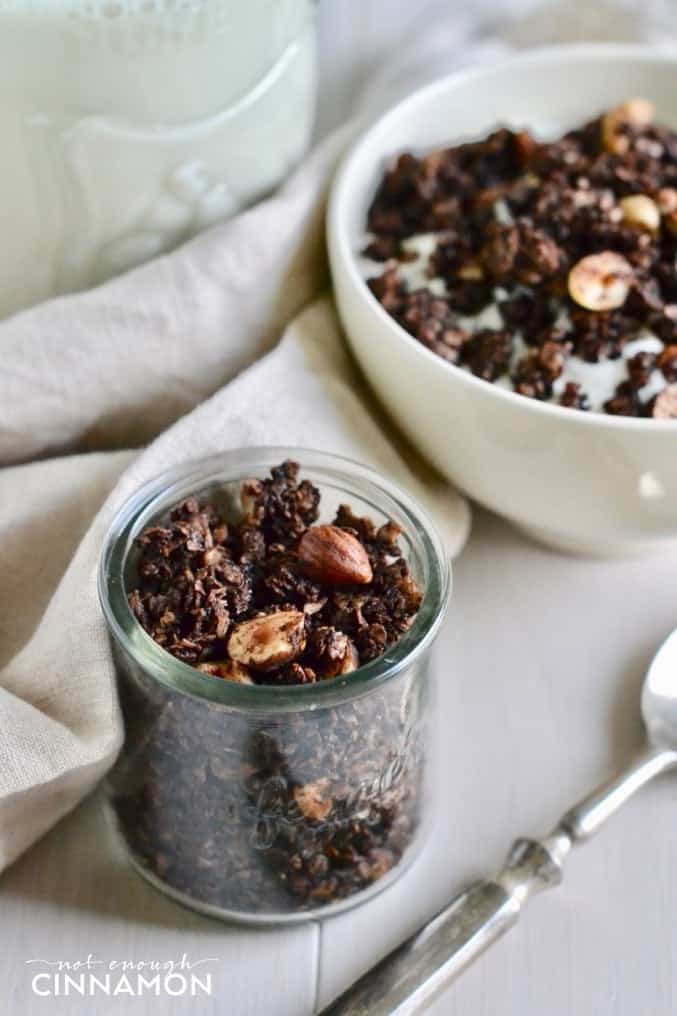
pixel 659 696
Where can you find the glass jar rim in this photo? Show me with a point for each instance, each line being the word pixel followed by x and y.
pixel 174 484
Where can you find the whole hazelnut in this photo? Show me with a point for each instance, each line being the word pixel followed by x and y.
pixel 640 210
pixel 332 555
pixel 635 113
pixel 600 281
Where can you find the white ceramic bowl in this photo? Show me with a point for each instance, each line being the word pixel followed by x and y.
pixel 585 482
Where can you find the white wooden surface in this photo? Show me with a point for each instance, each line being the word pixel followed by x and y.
pixel 539 668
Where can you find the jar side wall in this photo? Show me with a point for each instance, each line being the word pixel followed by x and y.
pixel 271 816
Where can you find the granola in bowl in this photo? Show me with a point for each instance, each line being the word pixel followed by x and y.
pixel 547 268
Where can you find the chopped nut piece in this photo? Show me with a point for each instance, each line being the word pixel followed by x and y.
pixel 315 607
pixel 351 660
pixel 269 640
pixel 640 210
pixel 471 272
pixel 666 199
pixel 250 499
pixel 600 281
pixel 329 554
pixel 635 113
pixel 332 651
pixel 229 670
pixel 311 800
pixel 664 406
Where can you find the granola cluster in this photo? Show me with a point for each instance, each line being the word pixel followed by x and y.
pixel 273 598
pixel 572 243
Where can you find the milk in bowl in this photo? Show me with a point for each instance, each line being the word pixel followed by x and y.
pixel 128 125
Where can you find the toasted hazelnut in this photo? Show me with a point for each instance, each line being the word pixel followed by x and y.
pixel 638 112
pixel 640 210
pixel 311 799
pixel 229 670
pixel 600 281
pixel 472 271
pixel 269 640
pixel 329 554
pixel 635 113
pixel 666 199
pixel 351 660
pixel 250 500
pixel 665 404
pixel 342 659
pixel 215 557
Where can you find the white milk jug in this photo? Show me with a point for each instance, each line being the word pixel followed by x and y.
pixel 128 125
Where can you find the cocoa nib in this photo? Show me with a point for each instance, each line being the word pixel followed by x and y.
pixel 272 597
pixel 640 368
pixel 626 401
pixel 536 372
pixel 573 397
pixel 521 253
pixel 528 312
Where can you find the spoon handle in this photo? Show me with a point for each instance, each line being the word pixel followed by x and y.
pixel 586 817
pixel 410 977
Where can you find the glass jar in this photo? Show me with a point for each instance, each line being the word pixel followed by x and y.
pixel 128 125
pixel 271 803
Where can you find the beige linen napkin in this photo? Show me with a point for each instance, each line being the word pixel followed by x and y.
pixel 111 368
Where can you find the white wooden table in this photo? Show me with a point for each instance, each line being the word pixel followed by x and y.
pixel 539 668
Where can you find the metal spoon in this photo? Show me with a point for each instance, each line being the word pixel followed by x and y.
pixel 407 980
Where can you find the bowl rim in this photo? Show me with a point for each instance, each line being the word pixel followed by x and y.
pixel 340 199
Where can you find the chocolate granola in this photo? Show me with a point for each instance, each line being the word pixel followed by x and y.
pixel 545 267
pixel 270 812
pixel 273 598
